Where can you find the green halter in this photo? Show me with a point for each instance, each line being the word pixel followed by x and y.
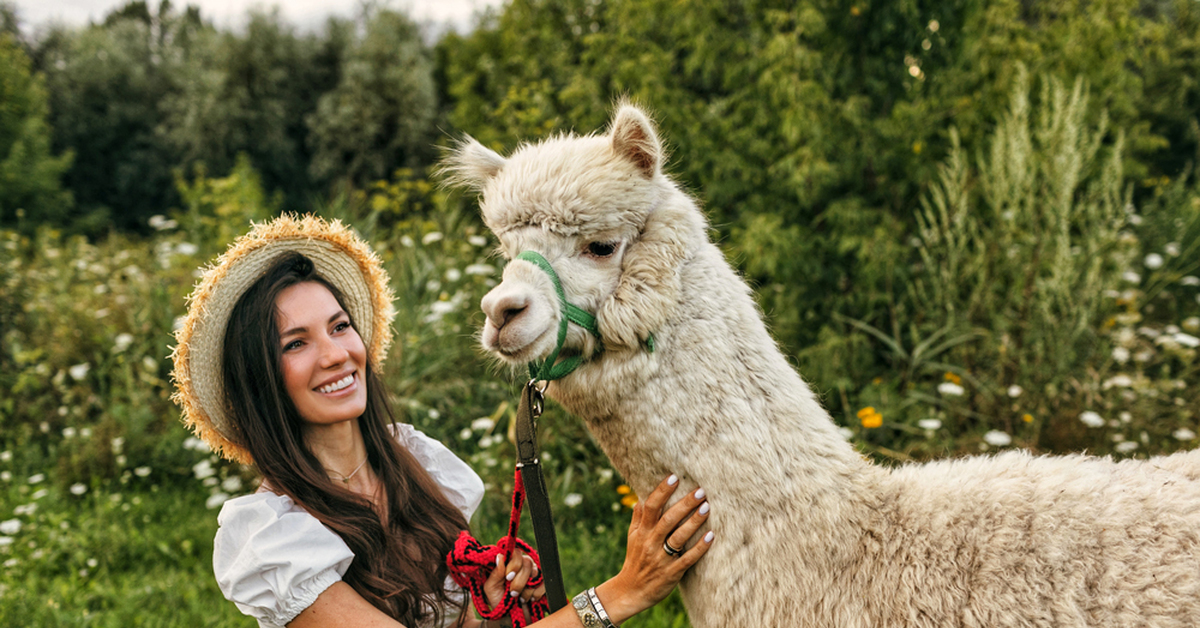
pixel 547 369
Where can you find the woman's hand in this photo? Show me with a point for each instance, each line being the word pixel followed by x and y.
pixel 519 570
pixel 650 573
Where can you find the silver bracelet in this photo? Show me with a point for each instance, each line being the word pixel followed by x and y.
pixel 583 607
pixel 600 608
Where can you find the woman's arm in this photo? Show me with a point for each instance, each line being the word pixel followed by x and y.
pixel 648 575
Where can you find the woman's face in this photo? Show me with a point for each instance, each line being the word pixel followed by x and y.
pixel 324 360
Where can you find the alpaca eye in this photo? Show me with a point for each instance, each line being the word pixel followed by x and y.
pixel 601 249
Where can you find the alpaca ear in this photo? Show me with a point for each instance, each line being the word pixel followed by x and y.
pixel 634 139
pixel 649 288
pixel 470 164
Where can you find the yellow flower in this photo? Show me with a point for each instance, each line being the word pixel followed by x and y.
pixel 951 377
pixel 624 490
pixel 870 418
pixel 629 501
pixel 855 11
pixel 1028 418
pixel 866 412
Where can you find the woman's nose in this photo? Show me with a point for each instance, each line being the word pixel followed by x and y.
pixel 332 353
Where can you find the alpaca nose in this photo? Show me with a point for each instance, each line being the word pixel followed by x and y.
pixel 502 307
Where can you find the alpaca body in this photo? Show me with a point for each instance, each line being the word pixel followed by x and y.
pixel 808 532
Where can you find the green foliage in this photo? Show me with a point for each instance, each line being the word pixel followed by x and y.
pixel 379 116
pixel 30 174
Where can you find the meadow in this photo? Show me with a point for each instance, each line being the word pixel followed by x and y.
pixel 982 235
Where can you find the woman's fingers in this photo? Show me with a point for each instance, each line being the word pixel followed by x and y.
pixel 678 538
pixel 680 511
pixel 651 509
pixel 520 575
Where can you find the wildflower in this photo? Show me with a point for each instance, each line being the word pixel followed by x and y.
pixel 25 510
pixel 624 490
pixel 1121 380
pixel 68 432
pixel 1120 354
pixel 6 476
pixel 12 526
pixel 191 442
pixel 996 438
pixel 929 424
pixel 5 541
pixel 92 562
pixel 1126 446
pixel 486 442
pixel 142 472
pixel 1190 280
pixel 453 274
pixel 482 424
pixel 1153 261
pixel 5 456
pixel 1183 433
pixel 40 493
pixel 37 478
pixel 434 414
pixel 477 240
pixel 480 269
pixel 1187 340
pixel 630 500
pixel 1125 417
pixel 78 488
pixel 215 500
pixel 149 363
pixel 79 371
pixel 846 432
pixel 951 389
pixel 1172 249
pixel 1091 419
pixel 232 484
pixel 203 469
pixel 951 377
pixel 933 26
pixel 122 342
pixel 85 432
pixel 118 444
pixel 1015 391
pixel 1028 418
pixel 1192 323
pixel 406 241
pixel 186 248
pixel 465 434
pixel 573 499
pixel 870 418
pixel 431 237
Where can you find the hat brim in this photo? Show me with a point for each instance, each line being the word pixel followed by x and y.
pixel 339 257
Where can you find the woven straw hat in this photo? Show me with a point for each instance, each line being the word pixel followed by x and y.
pixel 338 255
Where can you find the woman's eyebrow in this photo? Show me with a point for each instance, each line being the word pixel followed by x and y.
pixel 300 330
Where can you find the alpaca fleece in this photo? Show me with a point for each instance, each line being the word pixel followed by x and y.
pixel 808 532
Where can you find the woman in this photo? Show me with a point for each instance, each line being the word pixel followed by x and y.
pixel 276 366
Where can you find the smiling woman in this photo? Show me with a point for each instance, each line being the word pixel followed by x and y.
pixel 276 366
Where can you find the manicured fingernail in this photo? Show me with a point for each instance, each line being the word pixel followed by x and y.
pixel 515 594
pixel 708 537
pixel 699 493
pixel 499 560
pixel 510 576
pixel 704 508
pixel 672 480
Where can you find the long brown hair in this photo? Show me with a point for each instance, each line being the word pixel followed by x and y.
pixel 401 570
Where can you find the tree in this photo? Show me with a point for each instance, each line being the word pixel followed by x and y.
pixel 380 115
pixel 30 175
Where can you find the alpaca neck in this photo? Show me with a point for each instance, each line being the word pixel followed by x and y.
pixel 718 404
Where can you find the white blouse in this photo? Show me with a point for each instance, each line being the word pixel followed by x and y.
pixel 272 558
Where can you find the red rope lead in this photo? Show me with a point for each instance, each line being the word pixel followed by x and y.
pixel 471 563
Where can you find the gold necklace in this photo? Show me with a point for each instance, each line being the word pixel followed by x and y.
pixel 346 478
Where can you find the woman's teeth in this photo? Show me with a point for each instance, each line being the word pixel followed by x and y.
pixel 338 385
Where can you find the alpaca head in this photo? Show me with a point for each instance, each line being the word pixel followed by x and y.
pixel 599 209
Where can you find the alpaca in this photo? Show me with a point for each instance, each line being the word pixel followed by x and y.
pixel 808 532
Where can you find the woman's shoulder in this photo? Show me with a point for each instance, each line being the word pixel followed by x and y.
pixel 272 558
pixel 459 482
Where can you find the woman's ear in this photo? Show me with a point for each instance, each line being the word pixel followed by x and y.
pixel 470 164
pixel 648 291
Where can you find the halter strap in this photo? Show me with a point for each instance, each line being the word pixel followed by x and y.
pixel 550 369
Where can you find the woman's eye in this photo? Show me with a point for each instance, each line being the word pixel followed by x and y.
pixel 342 326
pixel 601 249
pixel 291 345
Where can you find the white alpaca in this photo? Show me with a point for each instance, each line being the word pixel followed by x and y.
pixel 808 532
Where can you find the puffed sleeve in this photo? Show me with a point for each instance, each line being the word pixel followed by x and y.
pixel 272 559
pixel 460 484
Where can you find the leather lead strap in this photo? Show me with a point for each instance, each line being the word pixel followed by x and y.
pixel 528 411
